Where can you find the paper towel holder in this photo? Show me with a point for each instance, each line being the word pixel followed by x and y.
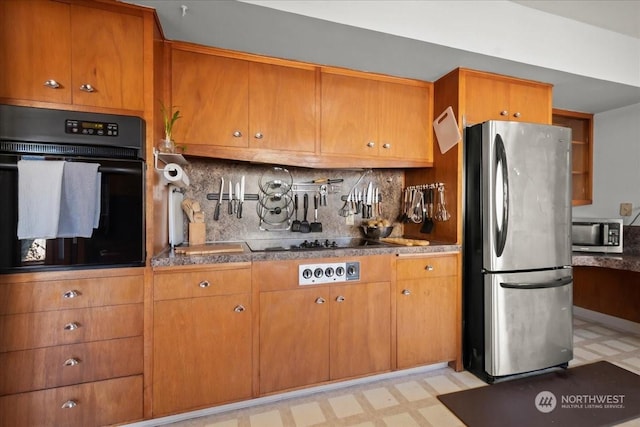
pixel 167 158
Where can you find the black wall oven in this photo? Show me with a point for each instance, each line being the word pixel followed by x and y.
pixel 116 143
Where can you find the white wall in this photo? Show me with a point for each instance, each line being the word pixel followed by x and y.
pixel 616 164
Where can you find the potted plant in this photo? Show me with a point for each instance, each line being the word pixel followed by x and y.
pixel 170 117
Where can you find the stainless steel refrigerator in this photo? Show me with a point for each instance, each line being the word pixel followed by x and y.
pixel 517 277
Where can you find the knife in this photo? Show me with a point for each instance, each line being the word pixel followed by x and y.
pixel 236 198
pixel 369 199
pixel 230 207
pixel 216 212
pixel 241 197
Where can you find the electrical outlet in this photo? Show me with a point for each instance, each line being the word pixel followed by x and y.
pixel 625 209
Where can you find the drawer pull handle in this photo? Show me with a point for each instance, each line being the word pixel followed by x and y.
pixel 71 362
pixel 516 114
pixel 86 87
pixel 340 298
pixel 69 404
pixel 71 326
pixel 204 284
pixel 504 113
pixel 429 267
pixel 237 134
pixel 371 144
pixel 239 309
pixel 320 300
pixel 71 294
pixel 258 135
pixel 387 145
pixel 406 292
pixel 52 84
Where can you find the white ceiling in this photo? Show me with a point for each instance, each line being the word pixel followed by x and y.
pixel 247 27
pixel 621 16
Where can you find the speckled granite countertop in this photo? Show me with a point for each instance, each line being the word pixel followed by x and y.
pixel 169 258
pixel 628 260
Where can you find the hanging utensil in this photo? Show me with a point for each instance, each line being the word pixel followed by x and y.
pixel 315 226
pixel 442 214
pixel 427 224
pixel 416 214
pixel 241 197
pixel 230 206
pixel 295 225
pixel 305 227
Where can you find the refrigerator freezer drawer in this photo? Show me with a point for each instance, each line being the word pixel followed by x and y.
pixel 528 321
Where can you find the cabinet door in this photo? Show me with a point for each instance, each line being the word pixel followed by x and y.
pixel 487 98
pixel 35 48
pixel 405 121
pixel 426 321
pixel 294 338
pixel 107 53
pixel 212 91
pixel 349 122
pixel 282 107
pixel 530 103
pixel 202 352
pixel 360 329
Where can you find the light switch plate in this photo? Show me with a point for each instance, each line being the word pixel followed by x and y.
pixel 625 209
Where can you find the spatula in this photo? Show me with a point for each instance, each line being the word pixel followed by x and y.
pixel 316 226
pixel 295 225
pixel 304 225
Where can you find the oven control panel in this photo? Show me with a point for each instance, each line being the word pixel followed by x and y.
pixel 328 272
pixel 84 127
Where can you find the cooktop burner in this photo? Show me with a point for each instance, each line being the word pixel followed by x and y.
pixel 309 244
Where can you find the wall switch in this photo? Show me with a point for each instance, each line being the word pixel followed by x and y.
pixel 625 209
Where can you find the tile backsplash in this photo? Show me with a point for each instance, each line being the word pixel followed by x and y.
pixel 205 177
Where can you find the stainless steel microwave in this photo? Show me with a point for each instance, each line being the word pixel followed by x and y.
pixel 597 235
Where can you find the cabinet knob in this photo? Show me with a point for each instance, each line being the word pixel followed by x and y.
pixel 71 294
pixel 386 145
pixel 69 404
pixel 406 292
pixel 239 308
pixel 237 134
pixel 72 361
pixel 504 113
pixel 258 135
pixel 71 326
pixel 371 144
pixel 86 87
pixel 340 298
pixel 320 300
pixel 428 267
pixel 204 284
pixel 52 84
pixel 517 114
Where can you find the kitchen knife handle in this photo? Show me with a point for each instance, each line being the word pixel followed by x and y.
pixel 240 210
pixel 216 212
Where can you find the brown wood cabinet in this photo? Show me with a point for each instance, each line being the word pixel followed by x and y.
pixel 314 334
pixel 234 102
pixel 366 117
pixel 72 54
pixel 202 337
pixel 495 97
pixel 71 347
pixel 581 125
pixel 428 310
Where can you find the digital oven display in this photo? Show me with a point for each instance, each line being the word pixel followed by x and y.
pixel 81 127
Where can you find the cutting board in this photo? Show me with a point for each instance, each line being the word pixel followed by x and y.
pixel 405 242
pixel 216 248
pixel 446 128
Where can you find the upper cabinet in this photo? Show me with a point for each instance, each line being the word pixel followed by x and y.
pixel 249 107
pixel 366 117
pixel 495 97
pixel 581 125
pixel 232 102
pixel 79 55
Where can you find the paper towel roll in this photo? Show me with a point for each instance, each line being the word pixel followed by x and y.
pixel 175 175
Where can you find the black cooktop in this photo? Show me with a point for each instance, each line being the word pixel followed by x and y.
pixel 310 244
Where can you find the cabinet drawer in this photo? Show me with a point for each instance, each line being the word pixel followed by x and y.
pixel 47 295
pixel 49 328
pixel 424 267
pixel 92 404
pixel 69 364
pixel 204 283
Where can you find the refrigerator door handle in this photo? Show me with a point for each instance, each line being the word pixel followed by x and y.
pixel 542 285
pixel 501 166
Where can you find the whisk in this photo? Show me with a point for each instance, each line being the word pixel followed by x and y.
pixel 441 213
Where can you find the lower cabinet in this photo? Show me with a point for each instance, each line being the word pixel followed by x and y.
pixel 428 310
pixel 310 335
pixel 202 337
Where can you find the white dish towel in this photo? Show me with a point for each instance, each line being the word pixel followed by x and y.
pixel 39 191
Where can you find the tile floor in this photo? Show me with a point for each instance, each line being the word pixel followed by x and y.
pixel 410 400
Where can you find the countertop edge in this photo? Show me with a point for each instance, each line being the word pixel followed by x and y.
pixel 629 262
